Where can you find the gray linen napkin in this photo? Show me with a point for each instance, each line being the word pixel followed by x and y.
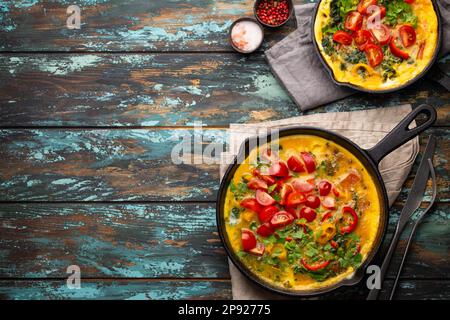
pixel 295 63
pixel 365 128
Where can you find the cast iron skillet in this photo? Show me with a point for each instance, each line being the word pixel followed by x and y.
pixel 369 158
pixel 350 85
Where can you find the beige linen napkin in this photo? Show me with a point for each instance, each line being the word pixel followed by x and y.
pixel 365 128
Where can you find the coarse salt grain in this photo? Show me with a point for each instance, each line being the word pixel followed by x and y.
pixel 246 35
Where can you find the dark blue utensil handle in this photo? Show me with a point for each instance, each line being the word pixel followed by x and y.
pixel 401 133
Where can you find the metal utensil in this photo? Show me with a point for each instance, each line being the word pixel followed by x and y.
pixel 415 224
pixel 412 203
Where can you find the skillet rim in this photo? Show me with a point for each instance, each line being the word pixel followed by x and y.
pixel 358 274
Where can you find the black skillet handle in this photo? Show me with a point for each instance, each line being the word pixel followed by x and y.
pixel 401 133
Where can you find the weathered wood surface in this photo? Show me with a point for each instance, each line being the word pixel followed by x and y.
pixel 163 289
pixel 117 165
pixel 117 25
pixel 159 240
pixel 164 90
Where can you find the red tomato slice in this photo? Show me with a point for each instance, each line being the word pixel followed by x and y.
pixel 329 203
pixel 376 15
pixel 265 229
pixel 342 37
pixel 258 250
pixel 248 239
pixel 353 21
pixel 324 188
pixel 279 169
pixel 265 214
pixel 315 267
pixel 294 163
pixel 364 4
pixel 396 51
pixel 408 35
pixel 264 198
pixel 309 161
pixel 308 214
pixel 362 39
pixel 270 180
pixel 312 201
pixel 286 189
pixel 382 34
pixel 353 222
pixel 374 54
pixel 251 204
pixel 302 186
pixel 256 183
pixel 281 219
pixel 295 198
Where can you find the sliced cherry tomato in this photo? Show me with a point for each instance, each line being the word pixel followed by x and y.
pixel 264 198
pixel 302 186
pixel 265 229
pixel 329 203
pixel 342 37
pixel 279 169
pixel 381 33
pixel 308 214
pixel 363 38
pixel 408 35
pixel 409 1
pixel 295 164
pixel 266 177
pixel 353 21
pixel 334 244
pixel 396 51
pixel 286 189
pixel 374 54
pixel 364 4
pixel 315 267
pixel 257 183
pixel 251 204
pixel 258 250
pixel 281 219
pixel 376 13
pixel 309 161
pixel 248 239
pixel 295 198
pixel 353 222
pixel 265 214
pixel 324 188
pixel 312 201
pixel 327 216
pixel 294 210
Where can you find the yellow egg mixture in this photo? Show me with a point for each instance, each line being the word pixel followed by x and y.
pixel 288 272
pixel 426 33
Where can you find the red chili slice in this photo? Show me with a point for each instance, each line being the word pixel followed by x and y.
pixel 381 33
pixel 315 267
pixel 374 54
pixel 309 161
pixel 279 169
pixel 265 229
pixel 308 214
pixel 409 1
pixel 251 204
pixel 329 203
pixel 264 198
pixel 362 39
pixel 364 4
pixel 421 49
pixel 396 51
pixel 258 250
pixel 281 219
pixel 353 21
pixel 334 244
pixel 295 198
pixel 294 163
pixel 265 214
pixel 408 35
pixel 336 192
pixel 353 222
pixel 312 201
pixel 327 216
pixel 248 239
pixel 342 37
pixel 257 183
pixel 324 188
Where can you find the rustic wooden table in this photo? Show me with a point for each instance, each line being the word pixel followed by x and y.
pixel 88 119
